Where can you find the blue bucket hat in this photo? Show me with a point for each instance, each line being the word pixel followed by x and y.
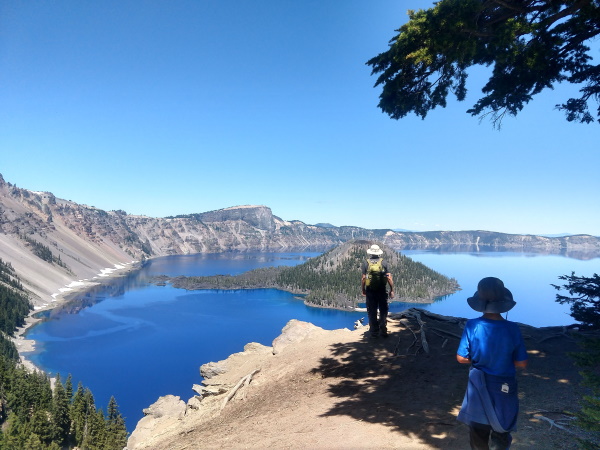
pixel 491 297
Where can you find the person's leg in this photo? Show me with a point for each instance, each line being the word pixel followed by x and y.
pixel 383 313
pixel 500 441
pixel 372 314
pixel 479 436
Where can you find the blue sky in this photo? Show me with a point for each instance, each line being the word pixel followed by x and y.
pixel 172 107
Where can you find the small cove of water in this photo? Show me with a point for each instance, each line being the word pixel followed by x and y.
pixel 138 341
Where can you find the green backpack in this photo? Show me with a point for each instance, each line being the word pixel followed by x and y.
pixel 376 278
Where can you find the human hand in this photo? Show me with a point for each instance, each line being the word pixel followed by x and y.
pixel 391 294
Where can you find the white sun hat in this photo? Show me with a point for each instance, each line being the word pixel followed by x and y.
pixel 374 250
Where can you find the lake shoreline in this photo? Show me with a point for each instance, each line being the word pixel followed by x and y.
pixel 160 280
pixel 74 290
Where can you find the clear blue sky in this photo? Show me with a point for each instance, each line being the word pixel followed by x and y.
pixel 173 107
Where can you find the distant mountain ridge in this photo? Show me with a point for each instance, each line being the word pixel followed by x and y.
pixel 51 242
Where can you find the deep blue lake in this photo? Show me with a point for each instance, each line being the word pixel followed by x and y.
pixel 138 341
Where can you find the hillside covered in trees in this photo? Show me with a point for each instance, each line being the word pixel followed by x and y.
pixel 332 279
pixel 33 414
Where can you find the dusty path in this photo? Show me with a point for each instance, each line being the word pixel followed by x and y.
pixel 342 390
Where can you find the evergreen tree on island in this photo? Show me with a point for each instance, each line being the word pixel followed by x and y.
pixel 332 280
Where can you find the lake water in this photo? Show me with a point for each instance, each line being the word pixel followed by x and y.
pixel 138 341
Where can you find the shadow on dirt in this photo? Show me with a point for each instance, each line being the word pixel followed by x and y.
pixel 394 382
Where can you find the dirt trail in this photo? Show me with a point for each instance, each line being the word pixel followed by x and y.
pixel 344 390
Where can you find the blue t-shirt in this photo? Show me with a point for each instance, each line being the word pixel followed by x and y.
pixel 493 345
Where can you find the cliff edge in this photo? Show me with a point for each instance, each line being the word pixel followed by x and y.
pixel 339 389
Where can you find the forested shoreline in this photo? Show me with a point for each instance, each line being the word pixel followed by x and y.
pixel 332 280
pixel 36 413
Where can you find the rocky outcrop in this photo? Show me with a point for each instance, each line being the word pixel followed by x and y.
pixel 221 382
pixel 161 416
pixel 256 216
pixel 295 331
pixel 167 406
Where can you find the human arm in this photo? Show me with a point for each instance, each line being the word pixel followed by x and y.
pixel 463 360
pixel 520 364
pixel 363 281
pixel 464 348
pixel 520 354
pixel 391 283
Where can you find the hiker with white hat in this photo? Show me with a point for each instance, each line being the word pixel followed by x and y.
pixel 375 278
pixel 494 347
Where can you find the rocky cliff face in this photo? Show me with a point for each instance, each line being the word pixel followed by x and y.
pixel 256 216
pixel 83 240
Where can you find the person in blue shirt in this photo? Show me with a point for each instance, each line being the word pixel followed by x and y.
pixel 494 347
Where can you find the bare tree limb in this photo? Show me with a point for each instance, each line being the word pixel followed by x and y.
pixel 244 381
pixel 553 423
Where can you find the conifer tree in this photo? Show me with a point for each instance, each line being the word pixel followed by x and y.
pixel 33 442
pixel 18 393
pixel 531 46
pixel 585 308
pixel 116 431
pixel 95 436
pixel 584 298
pixel 69 388
pixel 41 427
pixel 60 413
pixel 42 390
pixel 15 433
pixel 78 415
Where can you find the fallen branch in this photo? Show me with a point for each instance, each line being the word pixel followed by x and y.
pixel 450 333
pixel 563 412
pixel 539 341
pixel 247 382
pixel 553 423
pixel 442 318
pixel 397 349
pixel 417 315
pixel 563 334
pixel 413 313
pixel 244 381
pixel 424 343
pixel 414 342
